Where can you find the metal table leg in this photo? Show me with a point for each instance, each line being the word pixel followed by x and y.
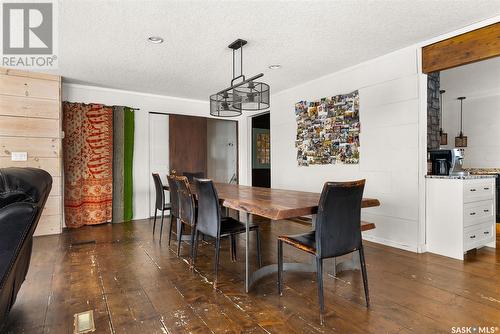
pixel 351 264
pixel 273 268
pixel 248 277
pixel 253 276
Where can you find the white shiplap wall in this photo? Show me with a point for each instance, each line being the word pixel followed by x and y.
pixel 389 158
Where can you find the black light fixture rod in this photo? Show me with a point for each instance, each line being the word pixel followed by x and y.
pixel 237 45
pixel 233 65
pixel 461 98
pixel 241 83
pixel 461 118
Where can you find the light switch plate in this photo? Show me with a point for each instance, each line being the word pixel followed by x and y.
pixel 19 156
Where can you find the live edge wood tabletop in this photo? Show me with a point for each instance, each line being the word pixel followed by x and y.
pixel 275 204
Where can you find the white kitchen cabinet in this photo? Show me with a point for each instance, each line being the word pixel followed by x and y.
pixel 460 214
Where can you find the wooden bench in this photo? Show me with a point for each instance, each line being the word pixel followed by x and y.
pixel 365 226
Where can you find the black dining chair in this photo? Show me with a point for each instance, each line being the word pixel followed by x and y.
pixel 211 224
pixel 174 205
pixel 160 203
pixel 192 175
pixel 187 211
pixel 337 232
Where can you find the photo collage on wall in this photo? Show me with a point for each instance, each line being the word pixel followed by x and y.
pixel 328 130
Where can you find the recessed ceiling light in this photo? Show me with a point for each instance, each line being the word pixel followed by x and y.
pixel 274 67
pixel 155 39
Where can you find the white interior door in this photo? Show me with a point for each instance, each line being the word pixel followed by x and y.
pixel 222 151
pixel 158 154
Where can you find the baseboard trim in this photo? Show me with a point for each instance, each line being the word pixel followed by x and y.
pixel 390 243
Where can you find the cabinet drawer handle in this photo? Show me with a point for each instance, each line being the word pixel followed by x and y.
pixel 486 232
pixel 473 236
pixel 472 213
pixel 486 210
pixel 473 190
pixel 486 188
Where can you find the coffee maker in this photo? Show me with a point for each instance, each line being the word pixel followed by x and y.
pixel 447 162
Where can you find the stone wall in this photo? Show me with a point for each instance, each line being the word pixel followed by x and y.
pixel 433 111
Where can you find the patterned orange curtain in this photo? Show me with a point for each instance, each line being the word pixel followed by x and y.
pixel 88 163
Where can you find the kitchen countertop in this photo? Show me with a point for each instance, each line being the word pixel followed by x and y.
pixel 461 177
pixel 483 171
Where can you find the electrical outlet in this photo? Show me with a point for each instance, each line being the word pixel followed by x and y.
pixel 19 156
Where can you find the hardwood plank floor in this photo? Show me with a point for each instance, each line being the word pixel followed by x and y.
pixel 135 285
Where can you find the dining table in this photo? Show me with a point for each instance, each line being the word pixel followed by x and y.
pixel 274 204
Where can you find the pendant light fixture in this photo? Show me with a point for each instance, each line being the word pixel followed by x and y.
pixel 222 105
pixel 443 137
pixel 461 140
pixel 242 94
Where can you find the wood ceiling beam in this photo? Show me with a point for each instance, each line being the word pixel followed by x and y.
pixel 470 47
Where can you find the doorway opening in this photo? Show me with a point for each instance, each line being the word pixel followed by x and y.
pixel 200 146
pixel 261 150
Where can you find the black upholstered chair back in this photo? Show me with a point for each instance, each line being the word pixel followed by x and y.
pixel 160 194
pixel 192 175
pixel 174 195
pixel 24 185
pixel 208 208
pixel 187 205
pixel 23 193
pixel 338 222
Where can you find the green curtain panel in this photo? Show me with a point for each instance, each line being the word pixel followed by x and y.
pixel 123 156
pixel 128 158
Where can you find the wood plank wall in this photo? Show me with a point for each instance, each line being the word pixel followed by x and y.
pixel 476 45
pixel 31 121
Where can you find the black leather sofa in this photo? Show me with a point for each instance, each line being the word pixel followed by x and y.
pixel 23 193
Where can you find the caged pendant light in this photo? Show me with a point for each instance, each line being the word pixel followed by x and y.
pixel 223 105
pixel 443 136
pixel 242 94
pixel 461 140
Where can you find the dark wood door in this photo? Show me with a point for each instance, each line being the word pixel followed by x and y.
pixel 188 144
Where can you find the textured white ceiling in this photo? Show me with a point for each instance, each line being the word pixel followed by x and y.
pixel 104 43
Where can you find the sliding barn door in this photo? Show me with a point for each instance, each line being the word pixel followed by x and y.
pixel 188 144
